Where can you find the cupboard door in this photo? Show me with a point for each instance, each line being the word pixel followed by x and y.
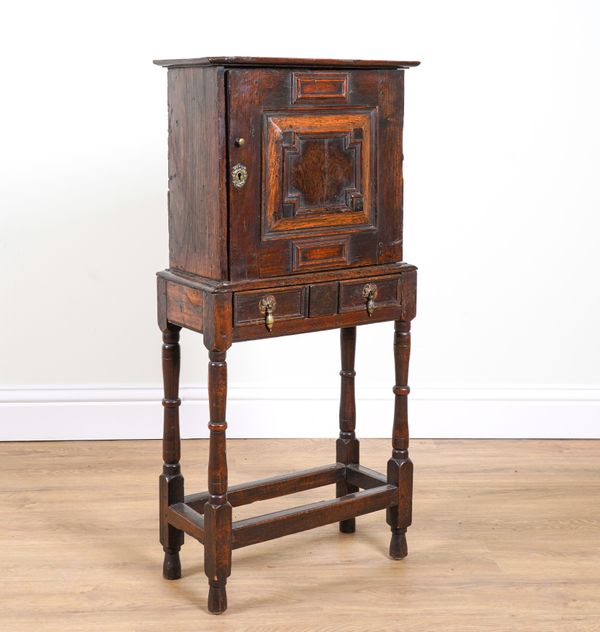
pixel 315 163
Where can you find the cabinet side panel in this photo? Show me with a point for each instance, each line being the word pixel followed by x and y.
pixel 197 172
pixel 390 158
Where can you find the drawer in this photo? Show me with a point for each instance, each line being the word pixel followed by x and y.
pixel 379 292
pixel 242 314
pixel 278 311
pixel 284 304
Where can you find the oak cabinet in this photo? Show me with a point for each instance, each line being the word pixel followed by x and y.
pixel 285 217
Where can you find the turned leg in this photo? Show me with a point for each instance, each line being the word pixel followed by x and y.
pixel 347 446
pixel 171 480
pixel 400 467
pixel 217 511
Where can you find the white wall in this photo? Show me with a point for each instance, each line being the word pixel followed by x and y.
pixel 501 204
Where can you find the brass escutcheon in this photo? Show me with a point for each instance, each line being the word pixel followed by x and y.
pixel 239 175
pixel 369 294
pixel 266 305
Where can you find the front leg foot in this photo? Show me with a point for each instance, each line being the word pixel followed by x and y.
pixel 172 564
pixel 217 597
pixel 398 546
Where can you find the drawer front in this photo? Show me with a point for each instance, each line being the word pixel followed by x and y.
pixel 382 291
pixel 324 305
pixel 321 165
pixel 285 304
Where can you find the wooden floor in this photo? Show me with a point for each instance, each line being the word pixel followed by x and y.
pixel 506 537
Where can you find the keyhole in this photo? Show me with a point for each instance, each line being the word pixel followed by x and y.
pixel 239 175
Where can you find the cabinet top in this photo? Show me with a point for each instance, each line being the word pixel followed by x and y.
pixel 287 62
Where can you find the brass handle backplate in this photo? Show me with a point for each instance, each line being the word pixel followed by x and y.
pixel 369 294
pixel 239 175
pixel 266 305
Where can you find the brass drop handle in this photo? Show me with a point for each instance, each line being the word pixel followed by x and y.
pixel 369 294
pixel 266 305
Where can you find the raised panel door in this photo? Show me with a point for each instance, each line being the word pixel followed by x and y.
pixel 322 160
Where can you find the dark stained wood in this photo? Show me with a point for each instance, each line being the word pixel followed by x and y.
pixel 285 190
pixel 217 321
pixel 319 323
pixel 347 446
pixel 299 308
pixel 186 519
pixel 210 285
pixel 320 254
pixel 323 299
pixel 275 486
pixel 197 172
pixel 161 303
pixel 314 171
pixel 390 159
pixel 318 173
pixel 363 477
pixel 171 479
pixel 408 294
pixel 352 297
pixel 288 521
pixel 400 467
pixel 185 306
pixel 290 303
pixel 271 62
pixel 217 510
pixel 321 87
pixel 332 160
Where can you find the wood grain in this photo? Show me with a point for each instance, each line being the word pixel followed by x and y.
pixel 197 172
pixel 319 87
pixel 347 446
pixel 211 285
pixel 316 165
pixel 217 510
pixel 287 62
pixel 274 486
pixel 295 519
pixel 276 171
pixel 314 170
pixel 299 308
pixel 171 479
pixel 505 536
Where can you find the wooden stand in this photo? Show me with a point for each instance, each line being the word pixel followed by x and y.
pixel 207 516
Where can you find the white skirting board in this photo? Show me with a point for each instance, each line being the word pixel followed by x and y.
pixel 109 412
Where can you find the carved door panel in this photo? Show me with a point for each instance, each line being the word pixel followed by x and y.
pixel 321 170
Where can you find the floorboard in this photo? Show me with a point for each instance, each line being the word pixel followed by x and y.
pixel 506 537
